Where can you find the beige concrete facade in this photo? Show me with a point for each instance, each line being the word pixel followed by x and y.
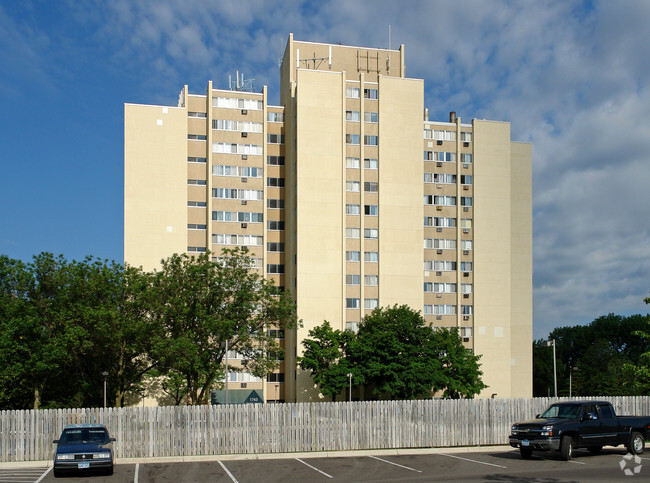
pixel 329 192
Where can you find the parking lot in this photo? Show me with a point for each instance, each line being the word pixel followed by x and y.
pixel 495 464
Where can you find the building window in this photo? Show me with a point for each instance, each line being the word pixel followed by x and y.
pixel 236 103
pixel 438 221
pixel 371 280
pixel 352 185
pixel 370 303
pixel 466 244
pixel 465 288
pixel 274 204
pixel 466 158
pixel 371 256
pixel 237 171
pixel 371 233
pixel 274 268
pixel 195 159
pixel 444 309
pixel 352 232
pixel 276 333
pixel 369 140
pixel 466 137
pixel 275 160
pixel 351 279
pixel 196 182
pixel 440 243
pixel 465 179
pixel 440 265
pixel 352 210
pixel 196 249
pixel 275 116
pixel 352 326
pixel 370 93
pixel 275 377
pixel 196 204
pixel 466 309
pixel 197 137
pixel 275 138
pixel 275 182
pixel 196 114
pixel 466 332
pixel 236 194
pixel 242 240
pixel 371 210
pixel 352 256
pixel 465 266
pixel 352 115
pixel 275 247
pixel 351 162
pixel 352 92
pixel 275 225
pixel 352 139
pixel 232 148
pixel 370 187
pixel 370 116
pixel 237 216
pixel 439 135
pixel 352 303
pixel 465 201
pixel 230 125
pixel 430 287
pixel 466 223
pixel 370 163
pixel 439 178
pixel 439 200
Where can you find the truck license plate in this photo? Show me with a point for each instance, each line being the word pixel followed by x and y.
pixel 82 466
pixel 525 443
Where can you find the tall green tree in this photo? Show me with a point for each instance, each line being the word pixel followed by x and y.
pixel 460 367
pixel 639 372
pixel 325 356
pixel 201 304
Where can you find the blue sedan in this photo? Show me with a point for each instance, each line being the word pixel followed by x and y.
pixel 84 447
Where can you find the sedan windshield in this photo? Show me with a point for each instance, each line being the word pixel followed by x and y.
pixel 563 411
pixel 83 435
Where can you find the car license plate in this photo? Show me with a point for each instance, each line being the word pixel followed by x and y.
pixel 82 466
pixel 525 443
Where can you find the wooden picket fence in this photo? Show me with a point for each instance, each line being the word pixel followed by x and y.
pixel 279 428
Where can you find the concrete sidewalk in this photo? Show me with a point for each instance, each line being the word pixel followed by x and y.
pixel 273 456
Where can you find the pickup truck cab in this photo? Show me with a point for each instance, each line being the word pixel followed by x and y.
pixel 565 426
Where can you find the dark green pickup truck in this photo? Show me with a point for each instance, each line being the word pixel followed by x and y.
pixel 580 424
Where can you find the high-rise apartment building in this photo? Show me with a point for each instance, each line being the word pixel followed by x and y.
pixel 348 196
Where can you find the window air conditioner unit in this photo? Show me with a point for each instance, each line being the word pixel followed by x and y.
pixel 244 156
pixel 439 164
pixel 465 230
pixel 465 208
pixel 465 274
pixel 466 144
pixel 466 166
pixel 466 187
pixel 243 202
pixel 439 143
pixel 438 274
pixel 244 180
pixel 465 317
pixel 466 295
pixel 465 252
pixel 244 134
pixel 243 385
pixel 439 208
pixel 244 225
pixel 439 251
pixel 244 112
pixel 438 317
pixel 465 339
pixel 438 229
pixel 438 295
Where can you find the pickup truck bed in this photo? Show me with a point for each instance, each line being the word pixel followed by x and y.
pixel 580 424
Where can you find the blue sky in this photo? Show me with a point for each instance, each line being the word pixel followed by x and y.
pixel 571 77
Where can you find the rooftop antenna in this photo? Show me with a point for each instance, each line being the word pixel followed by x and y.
pixel 280 58
pixel 240 84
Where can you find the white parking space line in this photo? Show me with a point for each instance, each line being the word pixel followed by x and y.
pixel 44 475
pixel 137 473
pixel 471 461
pixel 234 480
pixel 314 468
pixel 391 463
pixel 577 462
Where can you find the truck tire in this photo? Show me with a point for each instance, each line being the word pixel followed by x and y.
pixel 566 447
pixel 526 453
pixel 636 445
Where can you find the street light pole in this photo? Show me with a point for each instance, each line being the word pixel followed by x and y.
pixel 350 395
pixel 226 371
pixel 552 343
pixel 105 374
